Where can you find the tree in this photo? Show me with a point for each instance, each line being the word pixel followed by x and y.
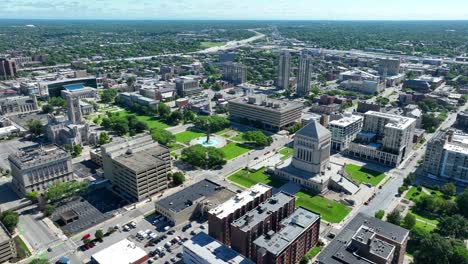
pixel 108 95
pixel 32 196
pixel 257 138
pixel 61 190
pixel 394 217
pixel 99 234
pixel 163 136
pixel 189 116
pixel 35 127
pixel 379 214
pixel 130 81
pixel 47 108
pixel 178 178
pixel 103 138
pixel 48 210
pixel 163 110
pixel 462 201
pixel 77 149
pixel 448 190
pixel 202 157
pixel 453 226
pixel 57 102
pixel 433 250
pixel 212 123
pixel 409 179
pixel 174 117
pixel 121 128
pixel 9 219
pixel 409 221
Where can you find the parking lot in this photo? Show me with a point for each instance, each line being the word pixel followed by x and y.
pixel 92 208
pixel 167 246
pixel 167 254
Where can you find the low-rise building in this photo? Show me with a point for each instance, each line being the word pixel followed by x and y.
pixel 366 240
pixel 299 233
pixel 194 200
pixel 203 249
pixel 79 90
pixel 134 98
pixel 424 84
pixel 186 86
pixel 18 105
pixel 221 217
pixel 34 168
pixel 136 166
pixel 122 252
pixel 344 131
pixel 270 113
pixel 363 86
pixel 266 217
pixel 7 245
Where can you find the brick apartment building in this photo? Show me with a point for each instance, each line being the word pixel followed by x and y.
pixel 266 217
pixel 221 217
pixel 299 233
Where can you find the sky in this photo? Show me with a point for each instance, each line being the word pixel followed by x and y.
pixel 237 9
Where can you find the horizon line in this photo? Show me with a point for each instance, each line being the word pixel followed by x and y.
pixel 237 19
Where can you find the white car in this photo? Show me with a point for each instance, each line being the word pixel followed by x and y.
pixel 126 228
pixel 148 232
pixel 133 224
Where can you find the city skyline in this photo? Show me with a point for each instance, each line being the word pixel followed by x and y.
pixel 238 10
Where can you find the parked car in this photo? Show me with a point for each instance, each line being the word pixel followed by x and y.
pixel 133 224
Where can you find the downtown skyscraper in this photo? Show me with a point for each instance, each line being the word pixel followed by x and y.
pixel 284 65
pixel 304 75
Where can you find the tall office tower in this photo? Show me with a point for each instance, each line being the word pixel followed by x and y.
pixel 233 72
pixel 136 166
pixel 74 110
pixel 304 76
pixel 7 68
pixel 284 65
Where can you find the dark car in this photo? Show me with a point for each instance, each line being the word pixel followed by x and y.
pixel 179 255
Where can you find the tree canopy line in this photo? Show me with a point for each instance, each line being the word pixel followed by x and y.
pixel 446 243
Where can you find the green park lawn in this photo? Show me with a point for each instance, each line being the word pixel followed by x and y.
pixel 187 136
pixel 414 195
pixel 313 252
pixel 148 120
pixel 233 150
pixel 425 227
pixel 286 152
pixel 364 175
pixel 238 137
pixel 210 44
pixel 175 146
pixel 330 211
pixel 248 179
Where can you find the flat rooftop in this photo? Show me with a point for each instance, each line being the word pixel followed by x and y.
pixel 213 251
pixel 294 225
pixel 263 210
pixel 141 160
pixel 122 252
pixel 394 121
pixel 241 199
pixel 346 120
pixel 185 198
pixel 38 154
pixel 267 103
pixel 337 253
